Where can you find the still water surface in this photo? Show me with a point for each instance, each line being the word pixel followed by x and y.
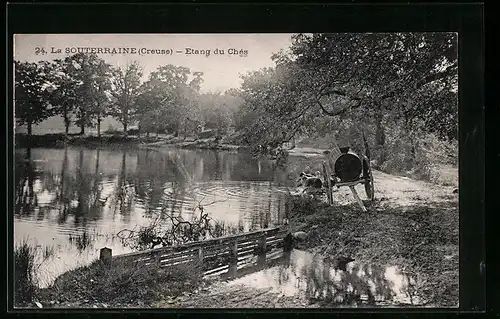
pixel 61 193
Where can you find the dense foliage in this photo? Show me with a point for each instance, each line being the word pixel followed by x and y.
pixel 399 89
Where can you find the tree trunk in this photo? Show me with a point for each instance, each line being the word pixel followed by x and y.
pixel 82 121
pixel 380 140
pixel 66 121
pixel 125 126
pixel 413 149
pixel 99 125
pixel 30 129
pixel 380 134
pixel 412 141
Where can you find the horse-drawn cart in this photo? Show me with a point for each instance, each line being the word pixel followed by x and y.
pixel 349 169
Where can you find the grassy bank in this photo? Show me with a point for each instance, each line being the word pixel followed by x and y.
pixel 100 285
pixel 422 240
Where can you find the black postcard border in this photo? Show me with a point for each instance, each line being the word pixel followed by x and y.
pixel 467 19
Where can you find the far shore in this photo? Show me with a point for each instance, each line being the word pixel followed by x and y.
pixel 153 142
pixel 61 140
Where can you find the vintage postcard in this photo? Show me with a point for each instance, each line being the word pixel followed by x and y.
pixel 236 170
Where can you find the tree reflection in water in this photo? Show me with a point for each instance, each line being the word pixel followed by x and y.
pixel 308 276
pixel 123 198
pixel 80 189
pixel 359 285
pixel 26 199
pixel 66 192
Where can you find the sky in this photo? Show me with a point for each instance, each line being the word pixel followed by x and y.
pixel 221 71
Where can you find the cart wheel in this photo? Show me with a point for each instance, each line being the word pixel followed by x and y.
pixel 368 177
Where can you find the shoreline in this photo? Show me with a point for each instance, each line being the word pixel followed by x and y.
pixel 60 141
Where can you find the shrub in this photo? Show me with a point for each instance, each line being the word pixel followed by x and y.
pixel 298 206
pixel 429 153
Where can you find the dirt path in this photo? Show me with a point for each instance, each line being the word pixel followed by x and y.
pixel 398 191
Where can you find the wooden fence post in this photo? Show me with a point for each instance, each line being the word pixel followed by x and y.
pixel 200 256
pixel 233 259
pixel 288 243
pixel 262 247
pixel 106 254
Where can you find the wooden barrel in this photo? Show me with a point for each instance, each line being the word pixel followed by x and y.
pixel 348 166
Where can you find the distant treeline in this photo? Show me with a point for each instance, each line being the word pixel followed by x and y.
pixel 83 89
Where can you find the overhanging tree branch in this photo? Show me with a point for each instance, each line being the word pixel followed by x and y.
pixel 450 70
pixel 293 132
pixel 342 93
pixel 338 112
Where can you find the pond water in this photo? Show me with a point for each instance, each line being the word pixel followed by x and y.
pixel 63 193
pixel 314 279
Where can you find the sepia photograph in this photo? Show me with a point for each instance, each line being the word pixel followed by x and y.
pixel 236 170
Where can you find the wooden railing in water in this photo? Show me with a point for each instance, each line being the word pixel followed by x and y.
pixel 229 251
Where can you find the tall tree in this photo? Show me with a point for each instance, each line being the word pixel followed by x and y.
pixel 126 90
pixel 172 81
pixel 150 113
pixel 101 93
pixel 31 90
pixel 193 120
pixel 169 98
pixel 263 117
pixel 88 71
pixel 64 89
